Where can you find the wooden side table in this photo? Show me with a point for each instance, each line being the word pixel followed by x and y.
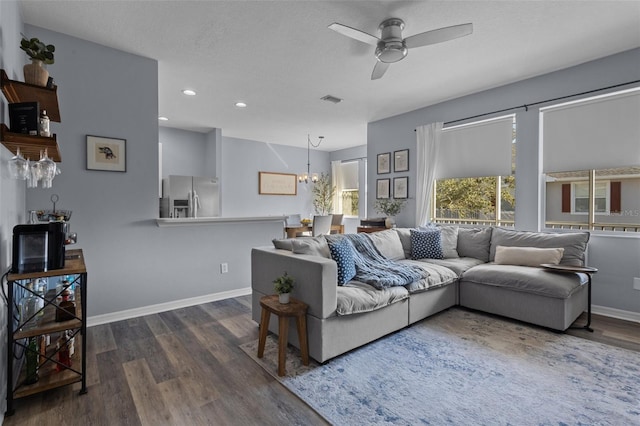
pixel 294 308
pixel 572 269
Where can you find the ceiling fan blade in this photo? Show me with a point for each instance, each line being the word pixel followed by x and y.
pixel 438 36
pixel 354 34
pixel 379 70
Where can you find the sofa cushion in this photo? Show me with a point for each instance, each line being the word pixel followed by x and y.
pixel 426 244
pixel 527 256
pixel 314 246
pixel 458 265
pixel 449 235
pixel 438 275
pixel 405 238
pixel 388 244
pixel 474 242
pixel 356 297
pixel 573 243
pixel 342 252
pixel 283 244
pixel 524 278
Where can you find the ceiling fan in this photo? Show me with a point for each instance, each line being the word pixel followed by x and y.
pixel 391 47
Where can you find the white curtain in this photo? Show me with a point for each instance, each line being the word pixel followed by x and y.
pixel 336 181
pixel 427 144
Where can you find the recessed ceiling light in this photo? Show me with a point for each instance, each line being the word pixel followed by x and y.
pixel 189 92
pixel 241 104
pixel 161 118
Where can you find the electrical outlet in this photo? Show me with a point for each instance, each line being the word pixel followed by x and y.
pixel 224 268
pixel 636 283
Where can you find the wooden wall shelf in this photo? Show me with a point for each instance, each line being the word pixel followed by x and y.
pixel 30 146
pixel 17 91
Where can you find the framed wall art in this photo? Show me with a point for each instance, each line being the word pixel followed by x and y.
pixel 401 160
pixel 109 154
pixel 401 187
pixel 277 183
pixel 382 189
pixel 384 163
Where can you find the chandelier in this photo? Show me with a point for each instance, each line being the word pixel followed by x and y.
pixel 305 177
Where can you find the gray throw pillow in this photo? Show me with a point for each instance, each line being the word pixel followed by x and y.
pixel 573 243
pixel 282 244
pixel 474 242
pixel 388 244
pixel 449 235
pixel 405 240
pixel 313 246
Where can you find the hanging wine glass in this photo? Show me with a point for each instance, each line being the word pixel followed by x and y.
pixel 18 166
pixel 47 170
pixel 34 174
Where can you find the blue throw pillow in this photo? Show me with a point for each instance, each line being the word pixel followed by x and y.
pixel 426 244
pixel 342 253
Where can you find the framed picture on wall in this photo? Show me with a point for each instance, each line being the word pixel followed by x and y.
pixel 384 163
pixel 382 190
pixel 401 160
pixel 108 154
pixel 401 187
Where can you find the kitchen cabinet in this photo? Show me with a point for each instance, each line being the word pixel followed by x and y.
pixel 30 146
pixel 47 323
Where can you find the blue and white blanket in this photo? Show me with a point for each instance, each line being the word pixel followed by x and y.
pixel 375 269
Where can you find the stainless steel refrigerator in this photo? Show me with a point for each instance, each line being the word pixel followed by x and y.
pixel 189 196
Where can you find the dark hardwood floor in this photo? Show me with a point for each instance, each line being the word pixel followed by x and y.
pixel 185 367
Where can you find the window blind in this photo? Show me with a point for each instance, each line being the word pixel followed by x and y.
pixel 349 176
pixel 595 133
pixel 477 149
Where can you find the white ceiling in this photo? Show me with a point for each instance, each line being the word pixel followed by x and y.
pixel 280 58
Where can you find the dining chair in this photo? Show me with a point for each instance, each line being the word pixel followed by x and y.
pixel 321 225
pixel 336 221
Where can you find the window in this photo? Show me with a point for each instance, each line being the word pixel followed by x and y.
pixel 580 197
pixel 616 199
pixel 596 141
pixel 463 191
pixel 346 181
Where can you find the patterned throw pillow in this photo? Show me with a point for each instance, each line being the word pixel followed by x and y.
pixel 426 244
pixel 342 253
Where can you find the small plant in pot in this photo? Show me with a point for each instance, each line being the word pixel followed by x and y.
pixel 283 286
pixel 390 207
pixel 35 73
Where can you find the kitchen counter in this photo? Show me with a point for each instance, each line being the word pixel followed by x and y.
pixel 198 221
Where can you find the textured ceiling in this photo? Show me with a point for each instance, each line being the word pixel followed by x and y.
pixel 280 58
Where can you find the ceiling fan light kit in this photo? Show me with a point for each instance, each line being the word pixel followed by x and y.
pixel 391 47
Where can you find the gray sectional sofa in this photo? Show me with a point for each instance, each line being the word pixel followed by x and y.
pixel 490 269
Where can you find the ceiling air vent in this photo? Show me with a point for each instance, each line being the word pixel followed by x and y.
pixel 330 98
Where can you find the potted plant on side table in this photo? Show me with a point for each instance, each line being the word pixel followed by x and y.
pixel 283 286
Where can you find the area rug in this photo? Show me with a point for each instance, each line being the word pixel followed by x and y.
pixel 461 367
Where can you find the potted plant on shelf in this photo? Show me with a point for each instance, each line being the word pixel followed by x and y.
pixel 390 207
pixel 40 53
pixel 323 193
pixel 283 286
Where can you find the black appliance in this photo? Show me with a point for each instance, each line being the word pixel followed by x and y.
pixel 38 247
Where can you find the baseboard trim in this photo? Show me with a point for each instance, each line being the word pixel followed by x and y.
pixel 616 313
pixel 163 307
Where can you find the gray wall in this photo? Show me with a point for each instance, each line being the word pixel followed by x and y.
pixel 12 192
pixel 243 159
pixel 132 263
pixel 183 152
pixel 616 256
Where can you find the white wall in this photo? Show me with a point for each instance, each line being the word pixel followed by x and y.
pixel 615 256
